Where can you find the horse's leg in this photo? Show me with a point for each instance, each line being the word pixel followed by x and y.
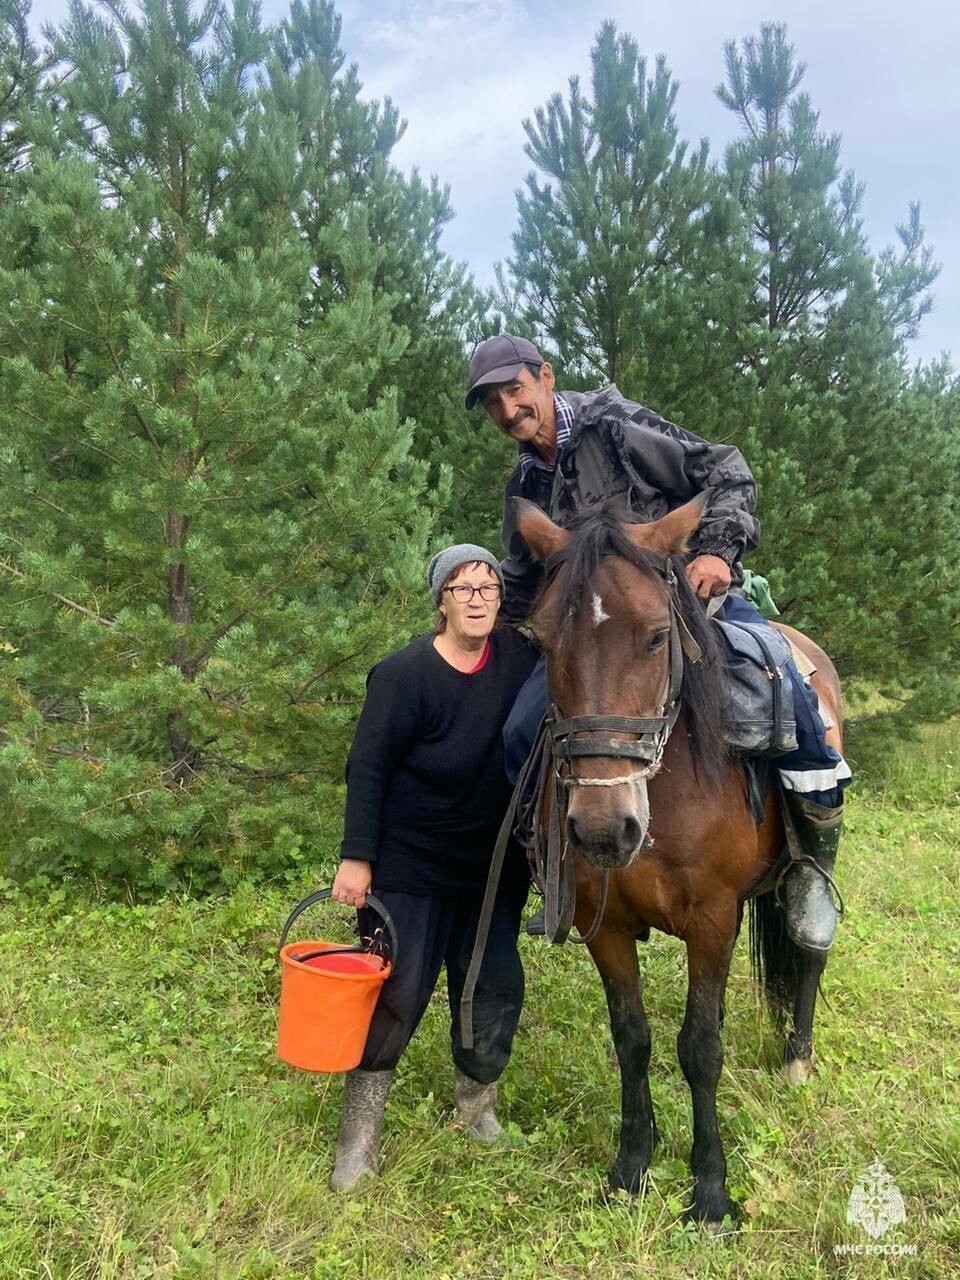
pixel 798 1055
pixel 615 955
pixel 709 948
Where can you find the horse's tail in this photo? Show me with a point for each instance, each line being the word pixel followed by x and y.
pixel 775 960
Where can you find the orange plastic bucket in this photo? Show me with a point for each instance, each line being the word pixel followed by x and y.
pixel 327 995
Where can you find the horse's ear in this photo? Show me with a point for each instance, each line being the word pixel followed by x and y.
pixel 671 534
pixel 538 531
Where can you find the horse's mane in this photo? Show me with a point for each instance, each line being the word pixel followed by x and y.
pixel 598 533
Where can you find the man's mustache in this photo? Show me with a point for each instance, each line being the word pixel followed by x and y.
pixel 519 417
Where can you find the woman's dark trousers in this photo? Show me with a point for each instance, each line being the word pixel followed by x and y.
pixel 440 931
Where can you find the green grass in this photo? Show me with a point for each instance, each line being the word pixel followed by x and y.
pixel 147 1129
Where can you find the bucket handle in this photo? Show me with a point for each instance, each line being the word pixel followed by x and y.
pixel 321 895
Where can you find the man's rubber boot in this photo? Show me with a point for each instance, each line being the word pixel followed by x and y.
pixel 536 926
pixel 810 898
pixel 361 1123
pixel 476 1106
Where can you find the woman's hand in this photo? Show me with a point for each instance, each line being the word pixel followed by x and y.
pixel 352 883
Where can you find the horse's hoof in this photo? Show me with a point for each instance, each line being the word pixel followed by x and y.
pixel 625 1180
pixel 798 1070
pixel 717 1228
pixel 710 1212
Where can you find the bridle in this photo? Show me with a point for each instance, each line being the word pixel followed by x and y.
pixel 650 732
pixel 560 742
pixel 557 745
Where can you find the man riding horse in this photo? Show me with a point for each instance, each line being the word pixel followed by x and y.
pixel 577 449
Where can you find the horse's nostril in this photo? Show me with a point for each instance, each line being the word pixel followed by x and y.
pixel 632 834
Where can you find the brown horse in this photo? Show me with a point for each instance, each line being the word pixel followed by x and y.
pixel 676 836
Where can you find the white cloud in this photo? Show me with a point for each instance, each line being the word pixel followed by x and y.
pixel 465 73
pixel 431 30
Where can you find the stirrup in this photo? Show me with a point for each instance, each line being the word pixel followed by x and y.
pixel 811 906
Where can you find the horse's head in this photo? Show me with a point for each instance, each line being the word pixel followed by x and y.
pixel 606 620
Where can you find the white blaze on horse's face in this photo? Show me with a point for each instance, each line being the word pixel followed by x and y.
pixel 598 612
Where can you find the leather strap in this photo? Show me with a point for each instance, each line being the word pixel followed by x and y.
pixel 486 914
pixel 619 724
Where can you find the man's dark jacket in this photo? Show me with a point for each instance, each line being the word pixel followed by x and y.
pixel 620 450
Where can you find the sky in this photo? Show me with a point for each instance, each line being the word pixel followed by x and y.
pixel 885 75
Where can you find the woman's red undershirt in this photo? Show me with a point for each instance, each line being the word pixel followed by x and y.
pixel 483 660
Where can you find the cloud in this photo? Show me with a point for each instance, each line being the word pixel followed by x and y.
pixel 463 68
pixel 465 73
pixel 431 31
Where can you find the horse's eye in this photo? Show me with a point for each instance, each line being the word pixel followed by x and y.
pixel 658 641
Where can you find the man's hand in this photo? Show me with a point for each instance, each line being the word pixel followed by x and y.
pixel 352 882
pixel 709 576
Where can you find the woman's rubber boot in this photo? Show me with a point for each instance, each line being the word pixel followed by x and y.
pixel 476 1106
pixel 810 894
pixel 361 1124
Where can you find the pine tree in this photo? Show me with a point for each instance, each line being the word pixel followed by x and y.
pixel 855 469
pixel 628 259
pixel 431 297
pixel 214 519
pixel 750 307
pixel 786 174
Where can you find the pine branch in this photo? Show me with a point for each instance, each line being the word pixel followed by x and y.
pixel 70 604
pixel 319 675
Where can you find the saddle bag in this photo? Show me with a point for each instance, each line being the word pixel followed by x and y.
pixel 760 714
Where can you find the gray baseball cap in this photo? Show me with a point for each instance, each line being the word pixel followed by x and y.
pixel 499 359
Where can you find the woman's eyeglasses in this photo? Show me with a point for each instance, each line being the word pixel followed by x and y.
pixel 463 593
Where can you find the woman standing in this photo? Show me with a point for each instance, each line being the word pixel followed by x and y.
pixel 426 794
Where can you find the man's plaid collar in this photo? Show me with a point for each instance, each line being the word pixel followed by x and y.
pixel 529 457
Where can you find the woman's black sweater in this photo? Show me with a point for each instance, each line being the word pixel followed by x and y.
pixel 426 789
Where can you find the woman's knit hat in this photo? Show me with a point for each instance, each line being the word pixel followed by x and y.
pixel 446 562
